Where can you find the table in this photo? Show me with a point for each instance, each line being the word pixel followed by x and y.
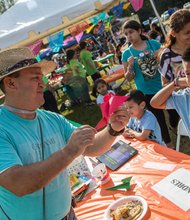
pixel 118 74
pixel 159 208
pixel 103 59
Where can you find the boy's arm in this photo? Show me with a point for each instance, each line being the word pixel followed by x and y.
pixel 159 100
pixel 140 136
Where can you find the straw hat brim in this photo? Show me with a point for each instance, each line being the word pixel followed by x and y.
pixel 46 67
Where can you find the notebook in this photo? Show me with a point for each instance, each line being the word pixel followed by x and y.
pixel 119 153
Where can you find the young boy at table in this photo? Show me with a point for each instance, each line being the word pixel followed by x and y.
pixel 176 95
pixel 142 124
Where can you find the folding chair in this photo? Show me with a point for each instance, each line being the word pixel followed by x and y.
pixel 181 131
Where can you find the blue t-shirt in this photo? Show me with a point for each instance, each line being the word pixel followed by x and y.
pixel 180 101
pixel 20 144
pixel 147 77
pixel 147 122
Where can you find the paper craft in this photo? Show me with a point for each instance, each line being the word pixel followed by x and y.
pixel 110 105
pixel 159 166
pixel 81 179
pixel 124 185
pixel 176 188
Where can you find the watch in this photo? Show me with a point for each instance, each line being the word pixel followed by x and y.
pixel 113 132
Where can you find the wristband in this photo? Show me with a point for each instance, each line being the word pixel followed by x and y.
pixel 113 132
pixel 176 82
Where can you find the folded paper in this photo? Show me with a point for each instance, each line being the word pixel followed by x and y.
pixel 110 105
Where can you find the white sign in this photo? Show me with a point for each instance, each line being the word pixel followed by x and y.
pixel 176 188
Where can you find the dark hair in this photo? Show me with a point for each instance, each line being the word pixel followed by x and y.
pixel 82 45
pixel 70 54
pixel 153 34
pixel 132 24
pixel 137 96
pixel 186 55
pixel 13 75
pixel 94 90
pixel 177 22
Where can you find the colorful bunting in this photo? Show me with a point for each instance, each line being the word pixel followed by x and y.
pixel 56 41
pixel 118 10
pixel 35 47
pixel 126 5
pixel 102 16
pixel 78 37
pixel 137 4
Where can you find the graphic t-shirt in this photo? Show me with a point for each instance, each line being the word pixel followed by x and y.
pixel 76 64
pixel 171 65
pixel 147 122
pixel 86 57
pixel 180 101
pixel 20 144
pixel 147 77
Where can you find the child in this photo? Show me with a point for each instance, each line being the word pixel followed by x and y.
pixel 176 95
pixel 142 124
pixel 101 87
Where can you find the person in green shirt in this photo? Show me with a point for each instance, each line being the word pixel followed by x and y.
pixel 87 61
pixel 78 82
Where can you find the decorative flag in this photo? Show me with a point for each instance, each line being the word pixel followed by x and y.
pixel 88 30
pixel 101 28
pixel 102 16
pixel 35 47
pixel 137 4
pixel 78 37
pixel 110 105
pixel 56 41
pixel 126 5
pixel 118 10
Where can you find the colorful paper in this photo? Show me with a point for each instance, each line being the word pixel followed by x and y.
pixel 110 105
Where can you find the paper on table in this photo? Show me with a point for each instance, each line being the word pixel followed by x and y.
pixel 176 188
pixel 159 166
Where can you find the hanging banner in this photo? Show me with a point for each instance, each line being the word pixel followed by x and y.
pixel 118 10
pixel 77 29
pixel 78 37
pixel 126 5
pixel 35 47
pixel 137 4
pixel 102 16
pixel 56 41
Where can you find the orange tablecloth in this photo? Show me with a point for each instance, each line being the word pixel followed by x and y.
pixel 159 208
pixel 118 74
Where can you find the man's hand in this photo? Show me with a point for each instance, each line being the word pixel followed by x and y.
pixel 80 139
pixel 130 62
pixel 119 118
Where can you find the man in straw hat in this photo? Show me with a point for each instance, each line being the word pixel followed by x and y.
pixel 36 146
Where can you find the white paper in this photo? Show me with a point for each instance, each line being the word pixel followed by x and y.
pixel 159 166
pixel 176 188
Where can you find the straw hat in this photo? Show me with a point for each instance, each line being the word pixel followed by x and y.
pixel 13 60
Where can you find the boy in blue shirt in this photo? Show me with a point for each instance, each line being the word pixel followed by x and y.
pixel 142 124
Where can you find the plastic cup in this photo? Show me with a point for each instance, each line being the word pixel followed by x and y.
pixel 101 174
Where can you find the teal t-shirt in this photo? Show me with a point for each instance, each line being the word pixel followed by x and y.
pixel 20 144
pixel 147 77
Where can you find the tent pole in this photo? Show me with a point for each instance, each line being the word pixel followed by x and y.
pixel 158 16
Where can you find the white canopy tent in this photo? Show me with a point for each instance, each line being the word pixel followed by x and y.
pixel 40 16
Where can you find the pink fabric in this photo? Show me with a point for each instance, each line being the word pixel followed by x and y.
pixel 110 105
pixel 78 37
pixel 35 47
pixel 137 4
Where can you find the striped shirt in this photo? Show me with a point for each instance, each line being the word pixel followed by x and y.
pixel 171 65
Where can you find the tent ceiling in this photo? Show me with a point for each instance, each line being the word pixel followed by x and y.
pixel 39 16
